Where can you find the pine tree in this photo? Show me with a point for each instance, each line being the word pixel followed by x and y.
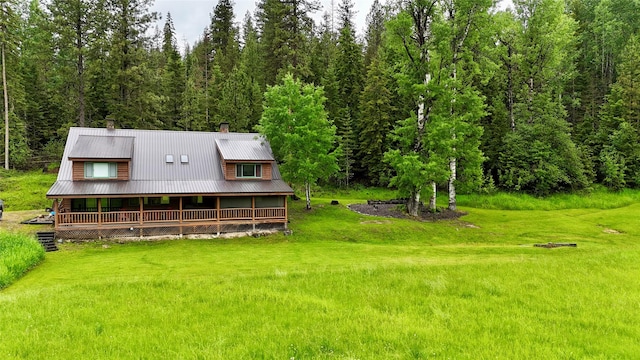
pixel 375 29
pixel 286 29
pixel 173 77
pixel 224 36
pixel 133 102
pixel 74 23
pixel 250 66
pixel 376 113
pixel 348 71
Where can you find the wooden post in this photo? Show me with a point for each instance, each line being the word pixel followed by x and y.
pixel 99 202
pixel 57 214
pixel 218 213
pixel 141 201
pixel 180 216
pixel 286 213
pixel 253 212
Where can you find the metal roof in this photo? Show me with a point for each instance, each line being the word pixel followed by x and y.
pixel 102 147
pixel 126 188
pixel 151 174
pixel 254 150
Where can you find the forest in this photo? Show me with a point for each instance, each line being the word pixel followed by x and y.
pixel 540 98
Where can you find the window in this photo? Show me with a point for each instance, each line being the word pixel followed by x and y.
pixel 248 170
pixel 168 158
pixel 100 170
pixel 184 159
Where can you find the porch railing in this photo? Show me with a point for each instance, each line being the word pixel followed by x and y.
pixel 170 216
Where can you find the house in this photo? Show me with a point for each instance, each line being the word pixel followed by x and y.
pixel 123 182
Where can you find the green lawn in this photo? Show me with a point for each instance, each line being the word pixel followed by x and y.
pixel 344 286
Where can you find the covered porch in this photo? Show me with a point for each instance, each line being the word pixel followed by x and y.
pixel 169 214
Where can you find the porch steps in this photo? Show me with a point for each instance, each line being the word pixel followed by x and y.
pixel 47 240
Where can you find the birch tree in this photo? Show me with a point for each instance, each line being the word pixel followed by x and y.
pixel 411 39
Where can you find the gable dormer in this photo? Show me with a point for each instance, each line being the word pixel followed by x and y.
pixel 245 160
pixel 102 158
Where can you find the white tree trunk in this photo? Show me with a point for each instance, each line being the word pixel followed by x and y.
pixel 413 203
pixel 432 199
pixel 452 185
pixel 307 194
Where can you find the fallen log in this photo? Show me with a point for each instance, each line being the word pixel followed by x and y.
pixel 555 245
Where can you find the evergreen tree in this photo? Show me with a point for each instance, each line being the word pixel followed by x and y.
pixel 133 101
pixel 539 155
pixel 224 36
pixel 74 24
pixel 375 29
pixel 174 79
pixel 9 25
pixel 285 32
pixel 348 70
pixel 618 136
pixel 376 114
pixel 250 66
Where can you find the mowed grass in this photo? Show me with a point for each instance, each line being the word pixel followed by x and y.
pixel 344 286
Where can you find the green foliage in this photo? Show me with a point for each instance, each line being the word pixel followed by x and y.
pixel 18 254
pixel 542 159
pixel 376 122
pixel 25 190
pixel 295 124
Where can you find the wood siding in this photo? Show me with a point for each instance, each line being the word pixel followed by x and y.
pixel 230 173
pixel 78 171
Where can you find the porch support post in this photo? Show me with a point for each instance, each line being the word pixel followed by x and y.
pixel 286 213
pixel 253 212
pixel 180 216
pixel 141 201
pixel 99 202
pixel 57 214
pixel 219 213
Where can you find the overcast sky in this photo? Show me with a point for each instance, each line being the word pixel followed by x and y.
pixel 190 17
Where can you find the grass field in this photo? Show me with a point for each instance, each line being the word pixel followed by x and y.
pixel 25 190
pixel 346 286
pixel 18 254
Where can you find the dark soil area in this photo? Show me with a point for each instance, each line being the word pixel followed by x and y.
pixel 398 211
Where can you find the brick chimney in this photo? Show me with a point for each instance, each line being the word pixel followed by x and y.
pixel 224 127
pixel 111 123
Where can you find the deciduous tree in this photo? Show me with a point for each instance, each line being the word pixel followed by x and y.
pixel 302 138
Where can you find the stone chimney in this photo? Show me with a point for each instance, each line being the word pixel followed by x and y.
pixel 224 127
pixel 111 123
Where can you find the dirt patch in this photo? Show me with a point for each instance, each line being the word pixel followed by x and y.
pixel 377 222
pixel 611 231
pixel 397 211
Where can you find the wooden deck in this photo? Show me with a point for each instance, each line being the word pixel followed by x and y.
pixel 151 218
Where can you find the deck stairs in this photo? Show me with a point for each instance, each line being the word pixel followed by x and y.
pixel 47 240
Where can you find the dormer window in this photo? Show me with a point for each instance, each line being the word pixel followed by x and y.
pixel 248 170
pixel 100 170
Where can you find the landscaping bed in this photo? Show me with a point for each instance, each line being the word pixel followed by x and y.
pixel 396 209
